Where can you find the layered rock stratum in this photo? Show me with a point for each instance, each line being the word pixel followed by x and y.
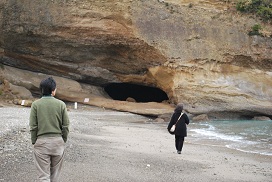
pixel 197 52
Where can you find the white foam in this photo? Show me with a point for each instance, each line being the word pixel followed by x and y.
pixel 215 135
pixel 249 151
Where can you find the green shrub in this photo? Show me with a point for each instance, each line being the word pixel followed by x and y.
pixel 256 27
pixel 241 6
pixel 255 30
pixel 265 13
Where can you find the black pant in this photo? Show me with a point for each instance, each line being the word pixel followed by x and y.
pixel 179 142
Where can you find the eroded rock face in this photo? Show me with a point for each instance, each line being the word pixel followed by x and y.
pixel 85 41
pixel 200 54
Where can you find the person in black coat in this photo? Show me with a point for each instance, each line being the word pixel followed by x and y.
pixel 181 120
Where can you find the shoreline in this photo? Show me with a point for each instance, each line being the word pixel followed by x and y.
pixel 106 145
pixel 212 144
pixel 242 135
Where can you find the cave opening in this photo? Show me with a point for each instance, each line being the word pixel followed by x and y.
pixel 140 93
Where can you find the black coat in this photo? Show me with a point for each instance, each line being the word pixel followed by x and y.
pixel 181 128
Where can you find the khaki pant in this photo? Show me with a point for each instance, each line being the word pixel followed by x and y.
pixel 48 157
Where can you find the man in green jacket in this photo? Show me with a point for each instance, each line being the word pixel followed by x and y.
pixel 49 128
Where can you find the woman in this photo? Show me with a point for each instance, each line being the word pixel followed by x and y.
pixel 180 119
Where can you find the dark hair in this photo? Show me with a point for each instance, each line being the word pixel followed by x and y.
pixel 47 86
pixel 179 107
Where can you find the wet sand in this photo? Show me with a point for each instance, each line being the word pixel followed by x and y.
pixel 106 145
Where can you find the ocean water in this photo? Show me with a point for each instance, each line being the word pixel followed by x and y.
pixel 247 135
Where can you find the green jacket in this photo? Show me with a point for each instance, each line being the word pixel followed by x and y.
pixel 48 117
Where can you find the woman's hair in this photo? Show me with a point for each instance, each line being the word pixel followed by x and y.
pixel 179 108
pixel 47 86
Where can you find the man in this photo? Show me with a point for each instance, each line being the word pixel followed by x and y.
pixel 49 128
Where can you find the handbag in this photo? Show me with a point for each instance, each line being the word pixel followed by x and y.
pixel 173 128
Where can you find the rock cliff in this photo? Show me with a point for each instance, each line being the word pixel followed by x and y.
pixel 197 52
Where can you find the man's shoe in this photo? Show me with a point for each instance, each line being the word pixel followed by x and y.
pixel 179 152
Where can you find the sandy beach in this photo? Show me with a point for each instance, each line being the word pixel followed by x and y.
pixel 106 145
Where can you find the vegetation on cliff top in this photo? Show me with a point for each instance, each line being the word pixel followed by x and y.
pixel 261 8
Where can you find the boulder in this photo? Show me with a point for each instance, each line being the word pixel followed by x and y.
pixel 130 99
pixel 262 118
pixel 159 120
pixel 167 116
pixel 26 103
pixel 20 92
pixel 202 117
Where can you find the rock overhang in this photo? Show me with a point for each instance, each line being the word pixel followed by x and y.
pixel 139 42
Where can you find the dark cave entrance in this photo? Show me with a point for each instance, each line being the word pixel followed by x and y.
pixel 122 91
